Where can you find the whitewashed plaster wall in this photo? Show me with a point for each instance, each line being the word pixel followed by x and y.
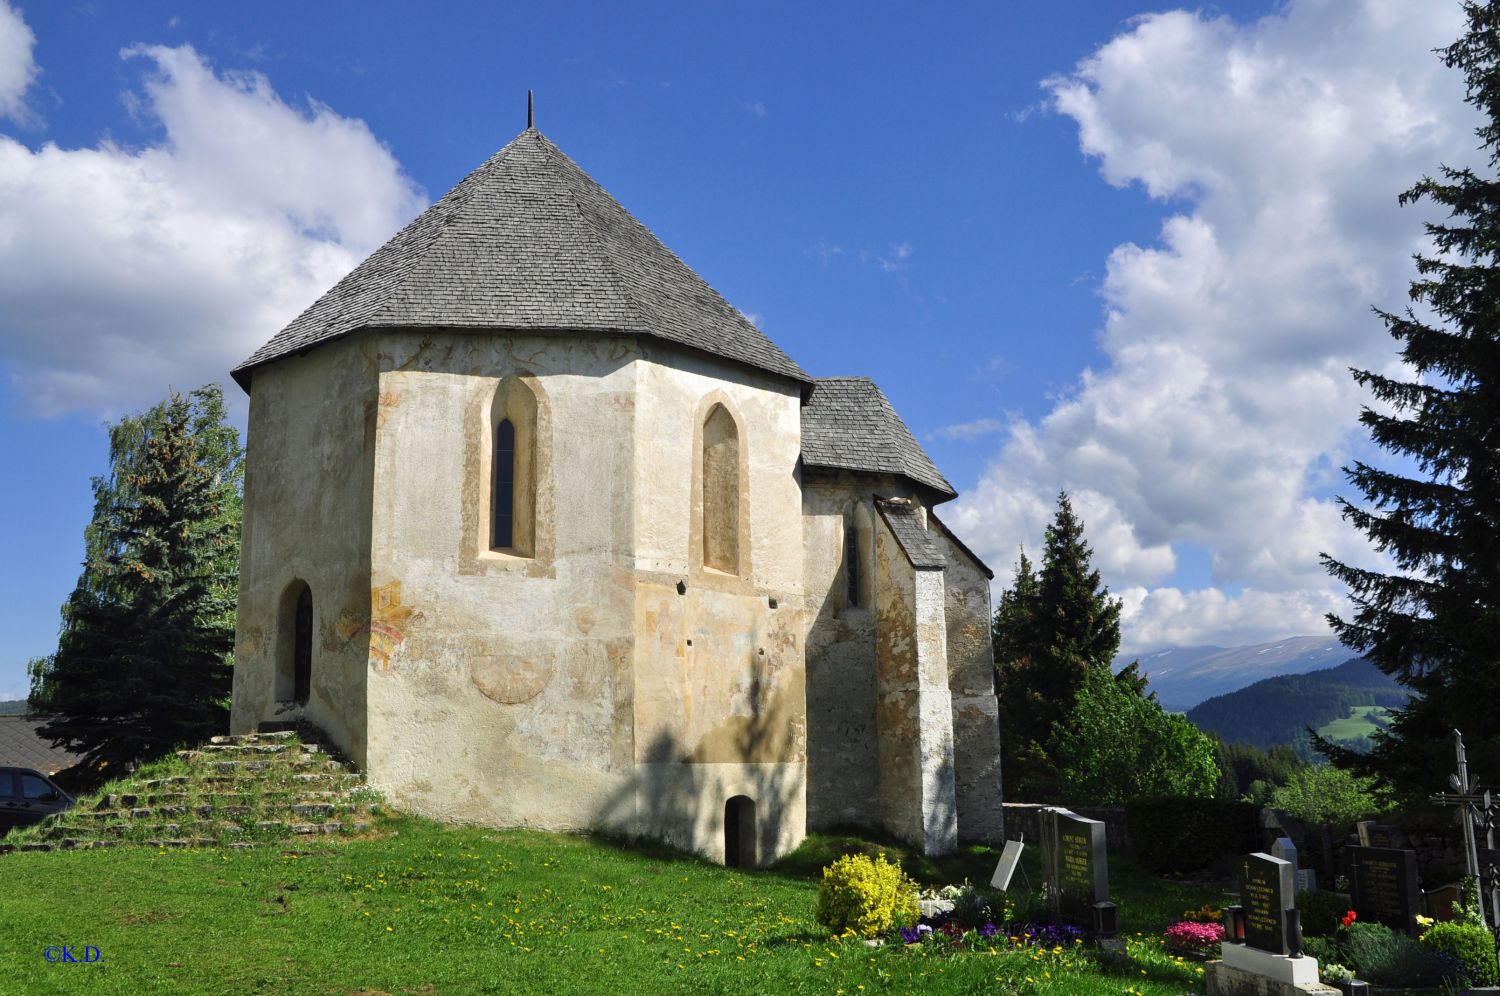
pixel 308 473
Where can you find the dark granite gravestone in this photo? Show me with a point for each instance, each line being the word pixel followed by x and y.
pixel 1082 868
pixel 1266 894
pixel 1372 834
pixel 1383 882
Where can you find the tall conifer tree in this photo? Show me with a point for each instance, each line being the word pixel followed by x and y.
pixel 143 661
pixel 1433 623
pixel 1050 628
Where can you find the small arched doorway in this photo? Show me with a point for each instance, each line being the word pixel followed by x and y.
pixel 294 644
pixel 739 832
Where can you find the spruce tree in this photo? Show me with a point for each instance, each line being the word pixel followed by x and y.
pixel 143 661
pixel 1050 629
pixel 1432 622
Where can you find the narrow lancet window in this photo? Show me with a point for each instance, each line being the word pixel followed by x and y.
pixel 302 640
pixel 721 492
pixel 851 563
pixel 504 533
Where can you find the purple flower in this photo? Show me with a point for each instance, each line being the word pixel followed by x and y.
pixel 988 930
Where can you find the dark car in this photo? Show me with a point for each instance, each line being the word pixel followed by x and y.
pixel 28 797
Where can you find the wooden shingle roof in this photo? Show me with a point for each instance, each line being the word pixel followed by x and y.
pixel 847 424
pixel 529 242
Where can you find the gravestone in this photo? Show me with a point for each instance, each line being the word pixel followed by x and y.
pixel 1372 834
pixel 1006 866
pixel 1080 867
pixel 1383 882
pixel 1303 879
pixel 1266 893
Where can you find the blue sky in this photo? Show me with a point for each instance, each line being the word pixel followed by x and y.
pixel 1120 249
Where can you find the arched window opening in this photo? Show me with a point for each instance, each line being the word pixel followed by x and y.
pixel 294 646
pixel 852 571
pixel 504 503
pixel 739 832
pixel 302 639
pixel 512 472
pixel 721 492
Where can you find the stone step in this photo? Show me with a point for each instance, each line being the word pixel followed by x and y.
pixel 250 738
pixel 161 782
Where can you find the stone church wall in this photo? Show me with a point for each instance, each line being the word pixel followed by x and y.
pixel 971 682
pixel 843 779
pixel 719 655
pixel 500 685
pixel 307 519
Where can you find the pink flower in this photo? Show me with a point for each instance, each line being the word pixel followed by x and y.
pixel 1198 936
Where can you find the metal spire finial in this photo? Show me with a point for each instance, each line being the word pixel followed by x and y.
pixel 530 111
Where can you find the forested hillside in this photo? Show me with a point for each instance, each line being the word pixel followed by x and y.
pixel 12 707
pixel 1279 710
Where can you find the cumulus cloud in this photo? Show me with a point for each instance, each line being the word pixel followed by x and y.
pixel 965 431
pixel 17 65
pixel 124 270
pixel 1225 399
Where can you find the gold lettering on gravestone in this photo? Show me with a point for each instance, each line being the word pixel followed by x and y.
pixel 1076 869
pixel 1260 903
pixel 1380 882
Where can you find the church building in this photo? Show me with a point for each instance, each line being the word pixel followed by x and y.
pixel 541 531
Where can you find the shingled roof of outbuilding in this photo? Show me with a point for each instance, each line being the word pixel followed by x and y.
pixel 847 424
pixel 529 242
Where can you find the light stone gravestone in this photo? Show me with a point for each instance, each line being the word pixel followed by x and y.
pixel 1303 879
pixel 1010 857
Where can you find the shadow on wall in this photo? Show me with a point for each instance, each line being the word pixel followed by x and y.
pixel 734 811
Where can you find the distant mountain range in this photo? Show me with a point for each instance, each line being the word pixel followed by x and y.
pixel 1279 710
pixel 13 707
pixel 1182 677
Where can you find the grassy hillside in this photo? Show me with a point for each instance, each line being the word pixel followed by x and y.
pixel 1279 710
pixel 1362 721
pixel 425 907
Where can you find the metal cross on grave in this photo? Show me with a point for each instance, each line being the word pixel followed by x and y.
pixel 1476 809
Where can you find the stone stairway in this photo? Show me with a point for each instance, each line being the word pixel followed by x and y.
pixel 234 791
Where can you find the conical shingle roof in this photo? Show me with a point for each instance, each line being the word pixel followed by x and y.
pixel 529 242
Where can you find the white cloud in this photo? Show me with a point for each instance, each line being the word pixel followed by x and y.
pixel 125 270
pixel 756 108
pixel 1226 396
pixel 965 431
pixel 17 66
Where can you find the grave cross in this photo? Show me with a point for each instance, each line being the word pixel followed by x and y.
pixel 1476 808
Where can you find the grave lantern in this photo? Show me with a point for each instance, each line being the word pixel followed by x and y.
pixel 1234 924
pixel 1105 922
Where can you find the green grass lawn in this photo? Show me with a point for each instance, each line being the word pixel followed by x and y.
pixel 429 908
pixel 1355 725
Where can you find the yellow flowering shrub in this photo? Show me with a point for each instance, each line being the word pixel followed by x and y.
pixel 866 897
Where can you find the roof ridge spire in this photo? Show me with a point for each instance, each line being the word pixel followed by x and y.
pixel 530 112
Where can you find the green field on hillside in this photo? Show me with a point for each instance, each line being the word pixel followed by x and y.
pixel 426 907
pixel 1359 723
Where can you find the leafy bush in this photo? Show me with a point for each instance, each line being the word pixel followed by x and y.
pixel 1177 834
pixel 975 906
pixel 1471 945
pixel 1380 955
pixel 1322 794
pixel 1322 911
pixel 865 897
pixel 1116 745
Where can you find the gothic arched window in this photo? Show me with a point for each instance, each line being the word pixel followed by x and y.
pixel 721 491
pixel 512 492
